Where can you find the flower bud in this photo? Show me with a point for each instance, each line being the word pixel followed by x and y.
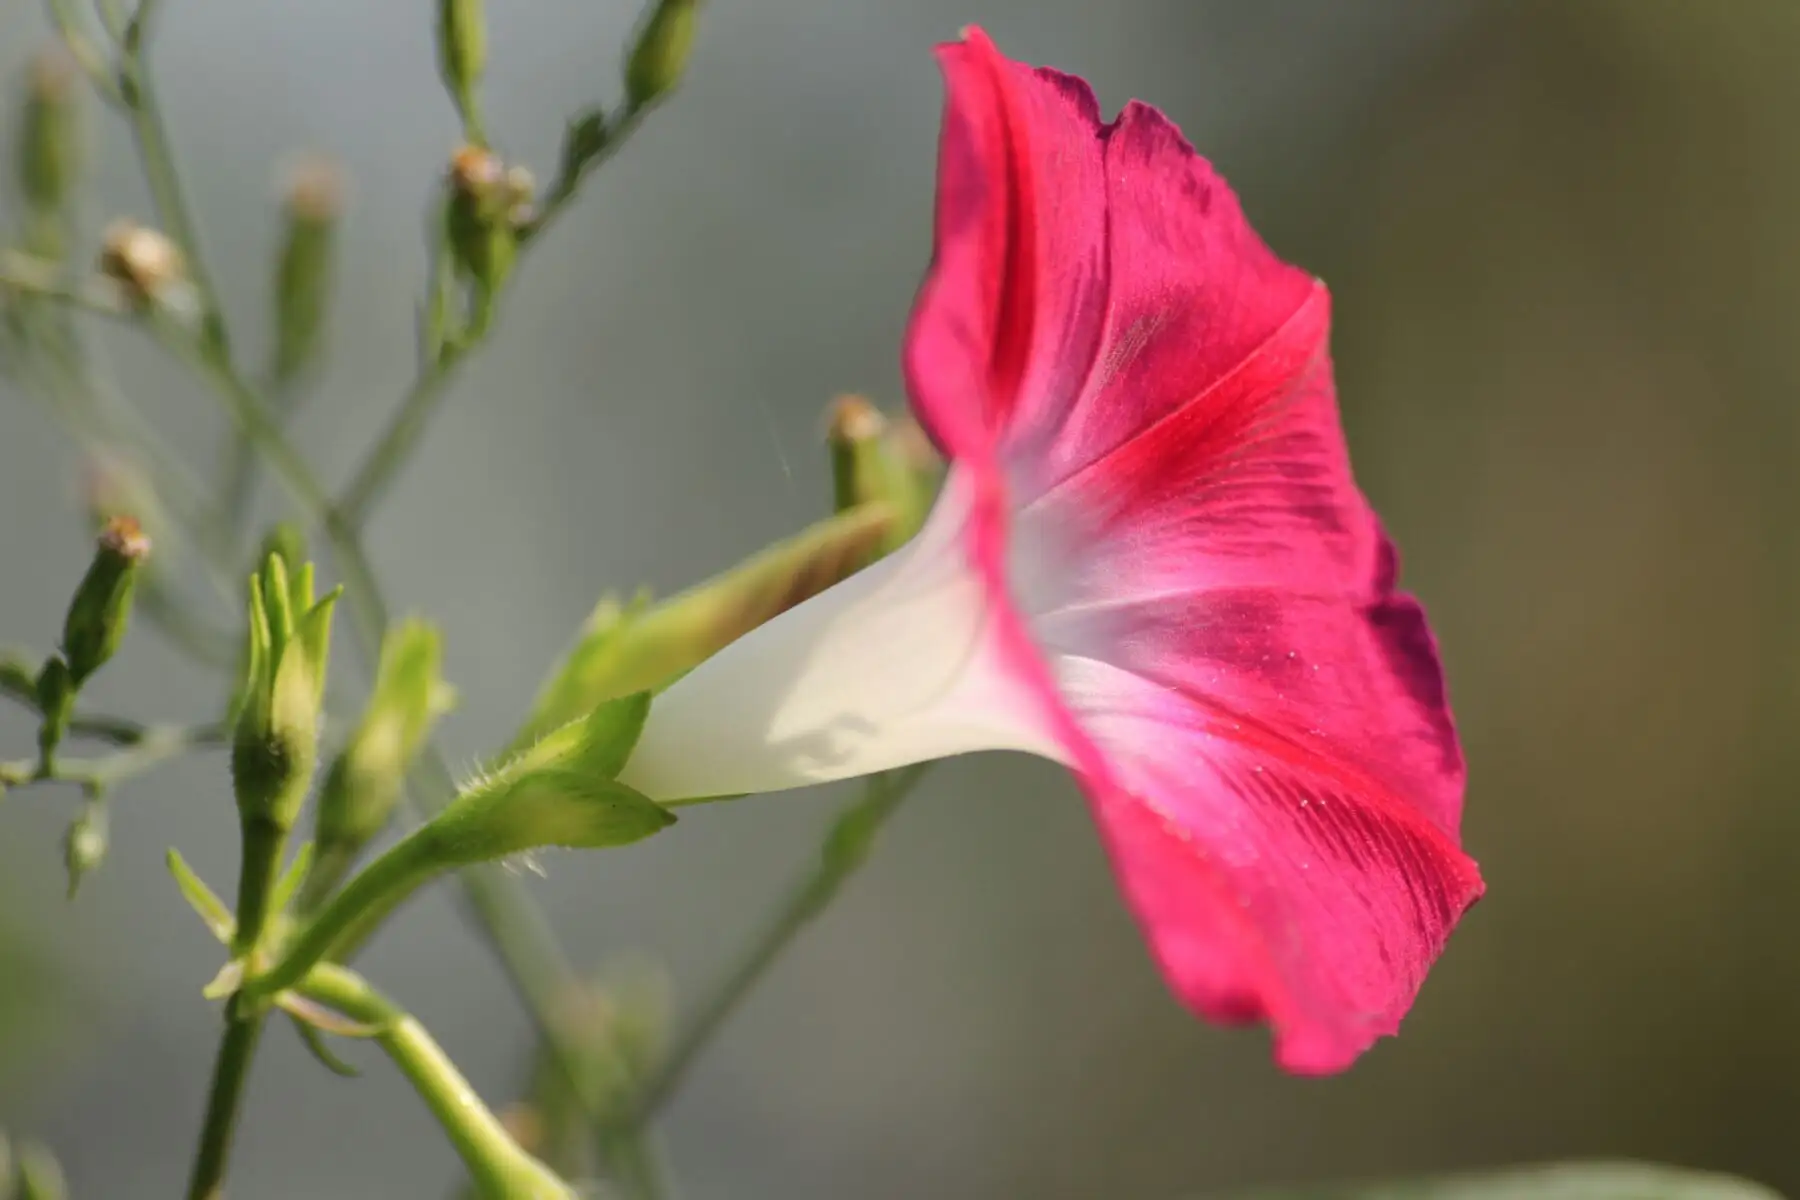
pixel 624 649
pixel 146 264
pixel 303 273
pixel 462 55
pixel 363 784
pixel 275 738
pixel 854 432
pixel 95 624
pixel 873 462
pixel 85 842
pixel 49 148
pixel 660 53
pixel 480 217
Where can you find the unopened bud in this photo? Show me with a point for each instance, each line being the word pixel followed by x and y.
pixel 462 55
pixel 95 624
pixel 659 55
pixel 275 738
pixel 146 263
pixel 85 842
pixel 854 433
pixel 49 145
pixel 303 274
pixel 363 784
pixel 643 647
pixel 873 463
pixel 485 198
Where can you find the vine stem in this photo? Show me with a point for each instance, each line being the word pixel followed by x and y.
pixel 231 1070
pixel 497 1164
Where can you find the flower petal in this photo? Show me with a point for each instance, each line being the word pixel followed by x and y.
pixel 1278 887
pixel 1225 552
pixel 1088 278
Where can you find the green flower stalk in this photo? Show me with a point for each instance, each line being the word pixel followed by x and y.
pixel 559 792
pixel 363 784
pixel 659 54
pixel 275 736
pixel 306 266
pixel 498 1166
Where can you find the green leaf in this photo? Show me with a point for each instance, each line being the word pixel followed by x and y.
pixel 1563 1181
pixel 205 903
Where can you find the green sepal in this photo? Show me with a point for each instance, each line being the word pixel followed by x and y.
pixel 206 904
pixel 315 1043
pixel 642 647
pixel 550 807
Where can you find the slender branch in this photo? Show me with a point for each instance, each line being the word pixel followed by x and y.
pixel 401 434
pixel 563 189
pixel 845 849
pixel 416 409
pixel 158 160
pixel 26 275
pixel 498 1165
pixel 231 1070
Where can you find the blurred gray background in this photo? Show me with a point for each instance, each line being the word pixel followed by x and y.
pixel 1562 241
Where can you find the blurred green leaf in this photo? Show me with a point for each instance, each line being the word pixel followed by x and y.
pixel 32 999
pixel 1564 1181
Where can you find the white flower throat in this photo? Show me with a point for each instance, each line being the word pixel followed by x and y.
pixel 896 665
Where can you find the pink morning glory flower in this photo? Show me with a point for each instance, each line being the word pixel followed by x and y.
pixel 1150 563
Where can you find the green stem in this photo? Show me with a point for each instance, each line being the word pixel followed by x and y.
pixel 496 1163
pixel 263 843
pixel 230 1071
pixel 353 913
pixel 160 175
pixel 38 277
pixel 395 445
pixel 845 849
